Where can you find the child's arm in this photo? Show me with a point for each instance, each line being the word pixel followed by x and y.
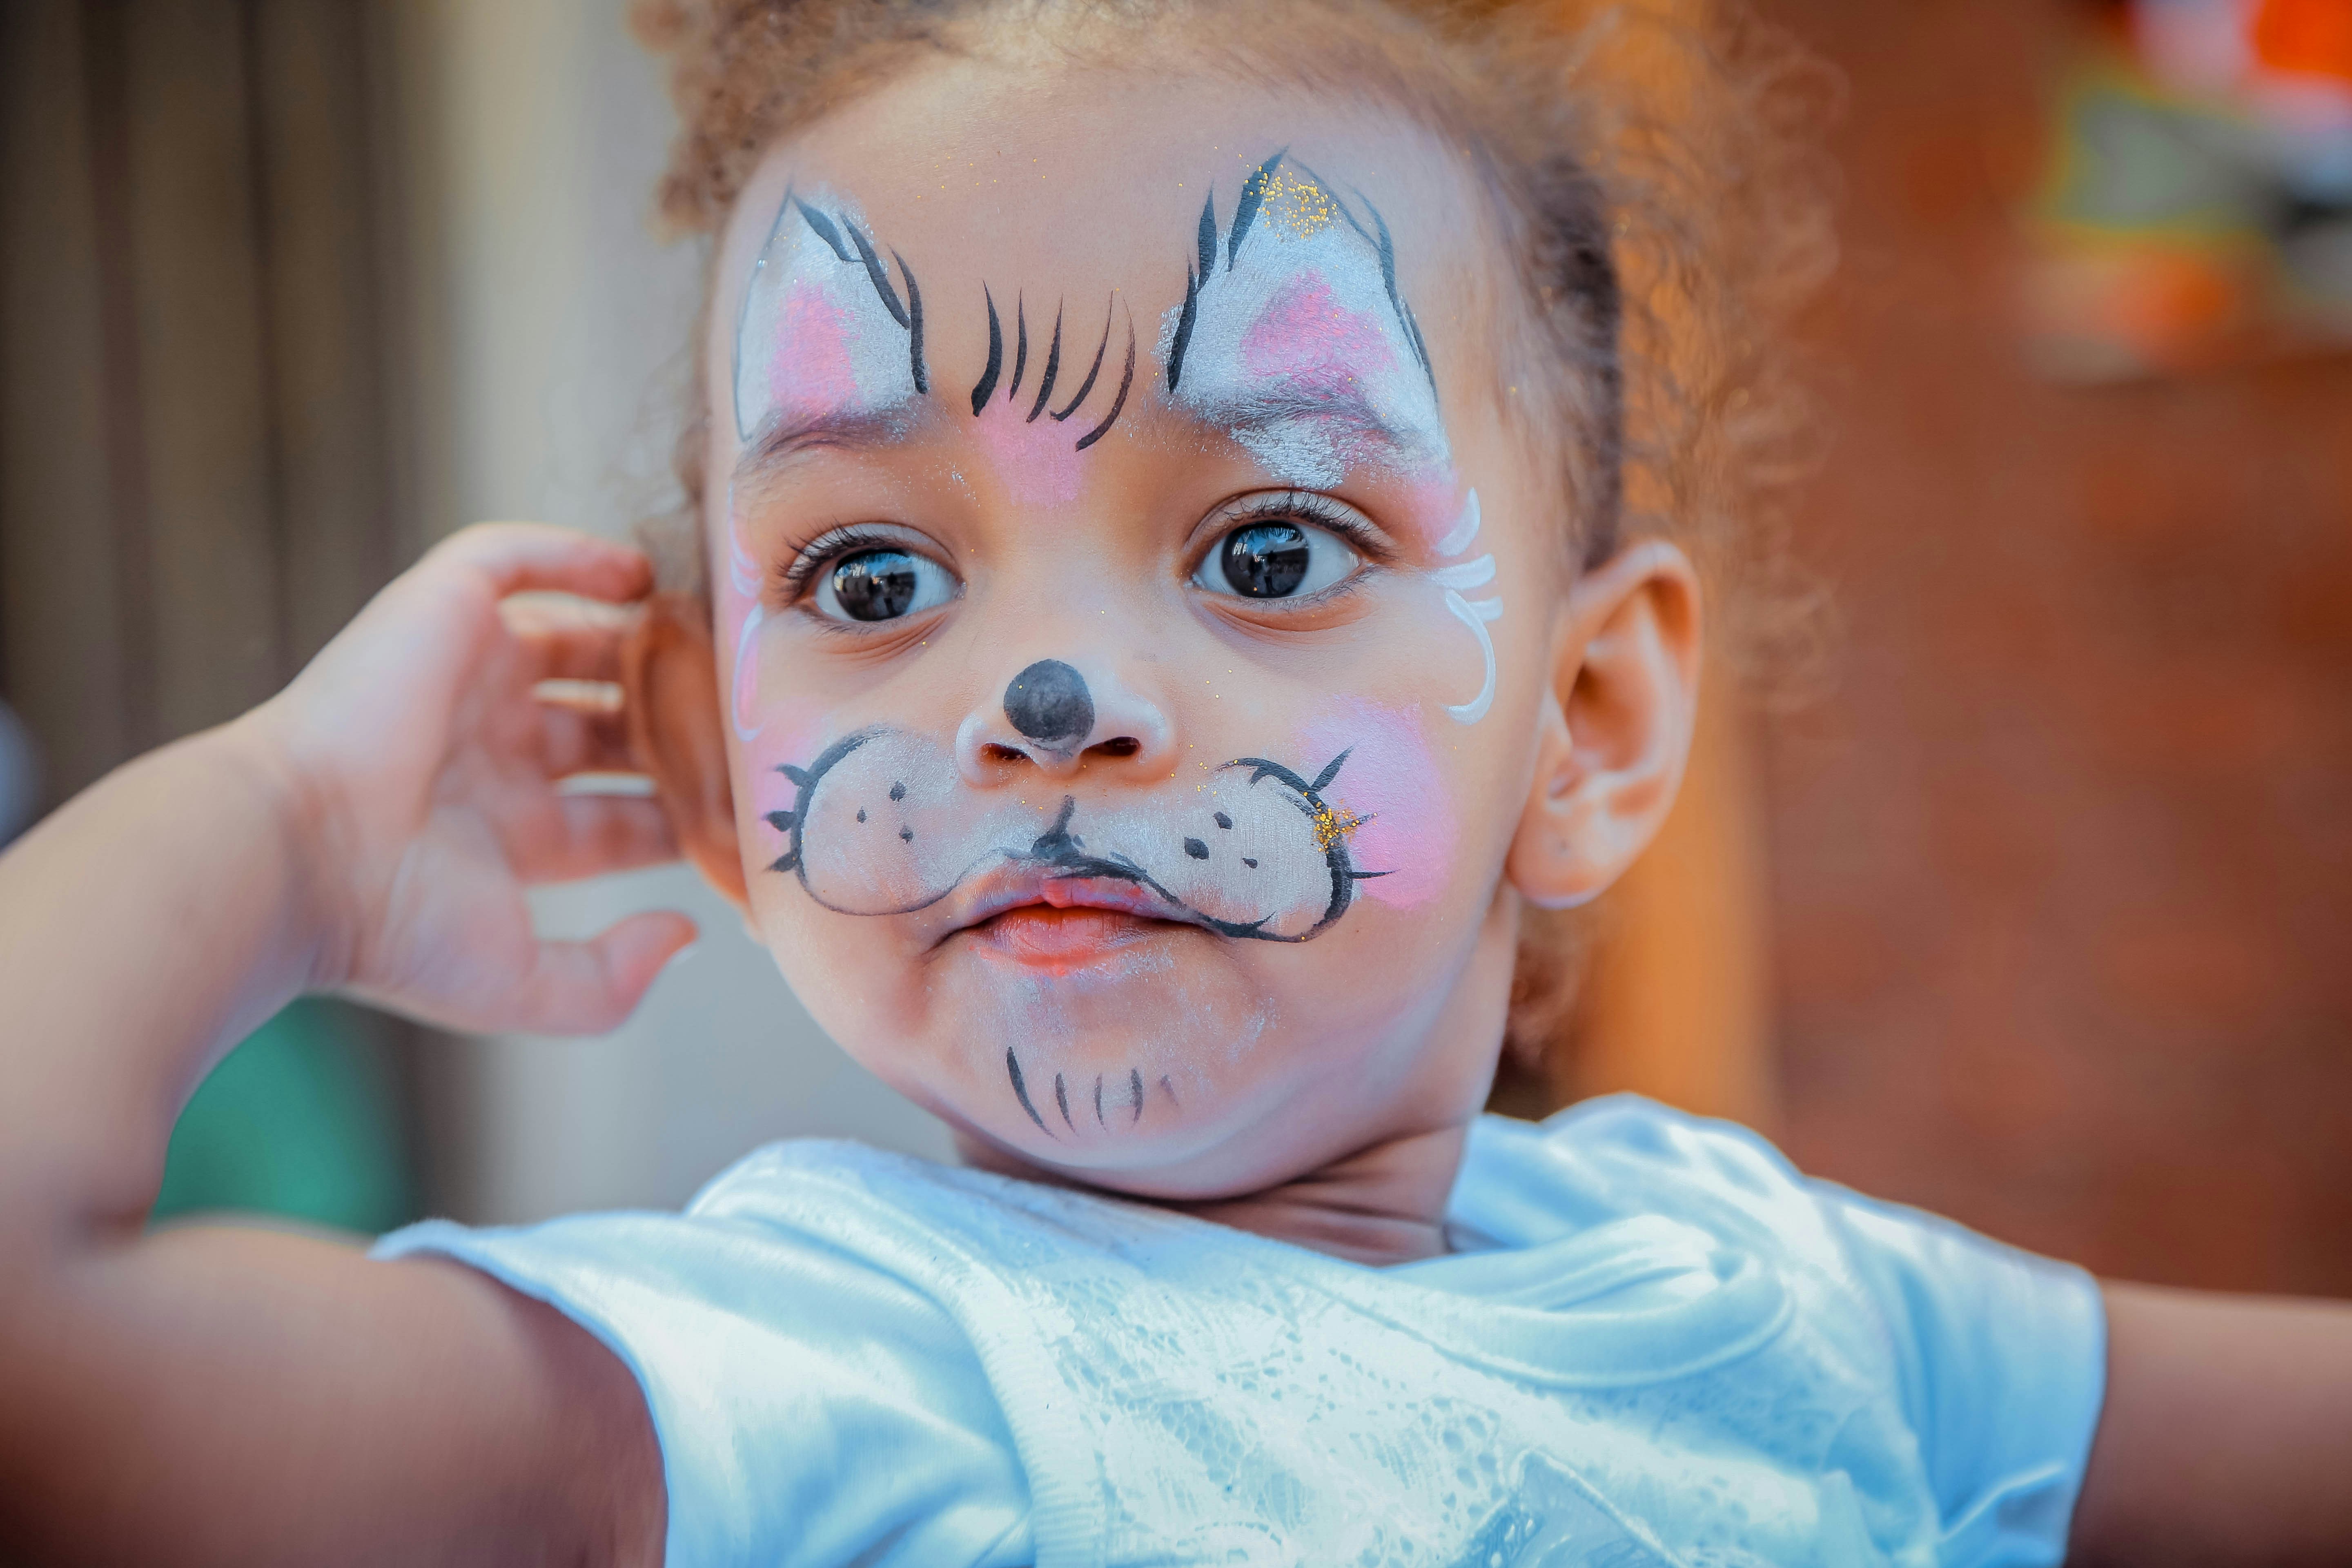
pixel 208 1395
pixel 2226 1435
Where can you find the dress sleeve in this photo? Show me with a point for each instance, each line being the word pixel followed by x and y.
pixel 2002 1359
pixel 776 1371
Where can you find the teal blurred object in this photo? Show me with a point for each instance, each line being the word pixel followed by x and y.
pixel 303 1120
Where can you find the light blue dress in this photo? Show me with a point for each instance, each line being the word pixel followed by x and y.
pixel 1656 1343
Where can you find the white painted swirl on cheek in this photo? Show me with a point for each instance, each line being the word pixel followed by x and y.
pixel 746 683
pixel 1476 616
pixel 1472 613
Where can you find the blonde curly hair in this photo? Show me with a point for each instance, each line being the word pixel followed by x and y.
pixel 1653 167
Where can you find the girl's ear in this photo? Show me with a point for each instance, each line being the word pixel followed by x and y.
pixel 1616 725
pixel 669 679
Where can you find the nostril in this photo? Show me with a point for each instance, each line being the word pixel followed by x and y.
pixel 996 754
pixel 1118 746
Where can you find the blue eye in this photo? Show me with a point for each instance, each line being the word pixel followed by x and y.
pixel 1277 559
pixel 882 585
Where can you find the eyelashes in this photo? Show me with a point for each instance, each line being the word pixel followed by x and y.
pixel 1326 513
pixel 804 563
pixel 1275 549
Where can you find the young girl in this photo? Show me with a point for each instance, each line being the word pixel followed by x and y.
pixel 1159 620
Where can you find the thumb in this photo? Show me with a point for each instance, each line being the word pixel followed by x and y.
pixel 589 987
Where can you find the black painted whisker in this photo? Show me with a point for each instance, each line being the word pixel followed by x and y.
pixel 1021 1091
pixel 1053 365
pixel 1021 344
pixel 1098 1112
pixel 1062 1099
pixel 1126 380
pixel 1135 1091
pixel 987 382
pixel 1094 370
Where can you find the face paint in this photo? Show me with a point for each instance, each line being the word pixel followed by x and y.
pixel 1391 787
pixel 824 330
pixel 1292 336
pixel 881 824
pixel 1472 613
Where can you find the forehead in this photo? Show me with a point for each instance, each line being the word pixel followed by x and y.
pixel 1082 190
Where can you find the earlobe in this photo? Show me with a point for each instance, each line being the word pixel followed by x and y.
pixel 669 675
pixel 1616 725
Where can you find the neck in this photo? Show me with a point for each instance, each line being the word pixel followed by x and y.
pixel 1383 1204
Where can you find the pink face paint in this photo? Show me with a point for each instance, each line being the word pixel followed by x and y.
pixel 811 366
pixel 827 326
pixel 1404 824
pixel 1308 344
pixel 1035 460
pixel 1293 337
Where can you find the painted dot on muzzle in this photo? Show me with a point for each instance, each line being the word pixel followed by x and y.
pixel 1049 703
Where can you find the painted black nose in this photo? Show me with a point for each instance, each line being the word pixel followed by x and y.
pixel 1049 703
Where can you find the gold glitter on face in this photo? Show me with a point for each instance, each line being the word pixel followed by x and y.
pixel 1334 824
pixel 1296 208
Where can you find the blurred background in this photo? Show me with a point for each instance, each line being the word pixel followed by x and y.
pixel 2039 916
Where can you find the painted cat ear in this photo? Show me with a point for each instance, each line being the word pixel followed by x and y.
pixel 833 255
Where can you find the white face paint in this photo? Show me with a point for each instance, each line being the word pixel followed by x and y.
pixel 1472 613
pixel 1293 337
pixel 825 331
pixel 882 825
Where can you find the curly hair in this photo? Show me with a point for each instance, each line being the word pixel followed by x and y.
pixel 1652 166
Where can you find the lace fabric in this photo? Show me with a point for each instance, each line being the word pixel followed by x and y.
pixel 1675 1353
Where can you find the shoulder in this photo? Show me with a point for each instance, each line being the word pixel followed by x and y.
pixel 1995 1357
pixel 1620 1157
pixel 779 1328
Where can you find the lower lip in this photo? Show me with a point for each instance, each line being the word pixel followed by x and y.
pixel 1058 940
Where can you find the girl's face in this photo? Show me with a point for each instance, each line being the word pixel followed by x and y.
pixel 1132 615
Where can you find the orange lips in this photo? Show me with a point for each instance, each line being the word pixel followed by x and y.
pixel 1060 940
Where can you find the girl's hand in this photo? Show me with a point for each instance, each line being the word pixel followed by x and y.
pixel 419 771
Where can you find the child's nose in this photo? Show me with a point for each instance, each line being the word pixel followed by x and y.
pixel 1052 715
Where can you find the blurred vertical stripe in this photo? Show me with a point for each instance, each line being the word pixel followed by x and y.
pixel 199 417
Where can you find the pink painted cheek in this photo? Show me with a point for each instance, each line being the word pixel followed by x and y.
pixel 1392 780
pixel 1433 503
pixel 1036 462
pixel 1311 344
pixel 794 734
pixel 809 367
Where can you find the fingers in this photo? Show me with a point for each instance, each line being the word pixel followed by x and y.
pixel 569 639
pixel 520 557
pixel 582 737
pixel 594 835
pixel 589 987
